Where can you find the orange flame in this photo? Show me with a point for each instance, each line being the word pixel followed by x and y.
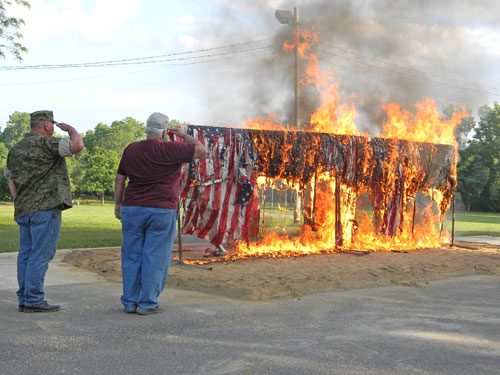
pixel 270 122
pixel 425 126
pixel 303 41
pixel 333 116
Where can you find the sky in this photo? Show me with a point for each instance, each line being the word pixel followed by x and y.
pixel 221 61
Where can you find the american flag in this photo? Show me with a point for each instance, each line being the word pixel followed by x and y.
pixel 217 192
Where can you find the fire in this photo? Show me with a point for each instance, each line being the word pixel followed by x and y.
pixel 332 116
pixel 392 216
pixel 303 41
pixel 422 235
pixel 426 125
pixel 270 122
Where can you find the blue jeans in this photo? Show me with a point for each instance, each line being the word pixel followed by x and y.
pixel 38 235
pixel 148 237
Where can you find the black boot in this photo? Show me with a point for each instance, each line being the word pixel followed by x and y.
pixel 42 307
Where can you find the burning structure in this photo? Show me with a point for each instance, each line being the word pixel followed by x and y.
pixel 221 201
pixel 334 168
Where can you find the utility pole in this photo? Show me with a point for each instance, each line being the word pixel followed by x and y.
pixel 297 69
pixel 298 125
pixel 292 19
pixel 286 17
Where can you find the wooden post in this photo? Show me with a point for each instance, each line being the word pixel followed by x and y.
pixel 338 219
pixel 179 233
pixel 453 221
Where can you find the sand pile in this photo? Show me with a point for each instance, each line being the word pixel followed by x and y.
pixel 264 279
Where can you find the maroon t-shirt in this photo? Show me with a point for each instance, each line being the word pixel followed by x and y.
pixel 153 168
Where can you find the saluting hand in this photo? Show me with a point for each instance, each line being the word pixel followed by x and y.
pixel 179 130
pixel 63 126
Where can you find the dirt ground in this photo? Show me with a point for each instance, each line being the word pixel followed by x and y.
pixel 264 279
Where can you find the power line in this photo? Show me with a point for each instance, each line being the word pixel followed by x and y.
pixel 145 60
pixel 404 68
pixel 162 67
pixel 230 55
pixel 413 75
pixel 463 97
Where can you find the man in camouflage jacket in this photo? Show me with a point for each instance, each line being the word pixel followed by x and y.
pixel 38 181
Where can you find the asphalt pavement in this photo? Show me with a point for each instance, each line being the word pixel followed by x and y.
pixel 446 327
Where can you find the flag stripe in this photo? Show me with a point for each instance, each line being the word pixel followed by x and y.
pixel 222 225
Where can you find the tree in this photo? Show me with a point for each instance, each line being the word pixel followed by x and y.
pixel 495 194
pixel 479 166
pixel 473 175
pixel 100 170
pixel 115 137
pixel 9 26
pixel 4 191
pixel 488 136
pixel 17 126
pixel 488 131
pixel 104 147
pixel 4 151
pixel 76 172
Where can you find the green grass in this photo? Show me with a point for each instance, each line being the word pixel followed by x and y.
pixel 83 226
pixel 91 225
pixel 475 224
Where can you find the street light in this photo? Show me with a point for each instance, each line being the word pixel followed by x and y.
pixel 285 17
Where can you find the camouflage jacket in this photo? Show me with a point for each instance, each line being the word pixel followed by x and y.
pixel 37 167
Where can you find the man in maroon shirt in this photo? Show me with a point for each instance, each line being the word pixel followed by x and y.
pixel 147 208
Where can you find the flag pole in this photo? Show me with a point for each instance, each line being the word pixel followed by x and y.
pixel 179 233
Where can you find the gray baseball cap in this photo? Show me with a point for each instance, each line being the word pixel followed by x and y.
pixel 157 121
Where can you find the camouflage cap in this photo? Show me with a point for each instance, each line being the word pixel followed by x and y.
pixel 157 121
pixel 42 116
